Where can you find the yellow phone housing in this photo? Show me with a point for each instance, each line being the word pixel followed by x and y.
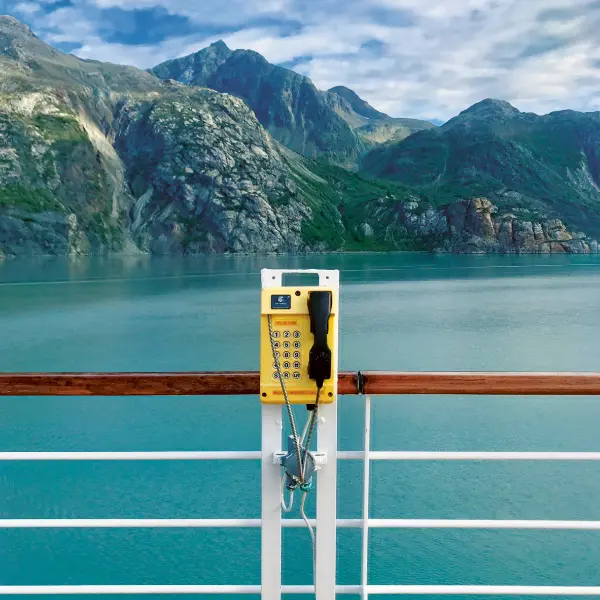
pixel 288 308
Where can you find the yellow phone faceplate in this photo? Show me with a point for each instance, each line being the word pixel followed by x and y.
pixel 294 340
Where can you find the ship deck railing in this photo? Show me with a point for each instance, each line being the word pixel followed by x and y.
pixel 366 384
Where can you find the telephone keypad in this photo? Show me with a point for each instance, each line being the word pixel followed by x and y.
pixel 291 356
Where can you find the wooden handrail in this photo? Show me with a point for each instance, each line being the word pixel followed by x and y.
pixel 238 383
pixel 487 384
pixel 247 383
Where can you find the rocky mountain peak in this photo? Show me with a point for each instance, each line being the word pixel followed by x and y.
pixel 217 50
pixel 359 106
pixel 487 113
pixel 19 43
pixel 10 24
pixel 492 108
pixel 196 68
pixel 220 46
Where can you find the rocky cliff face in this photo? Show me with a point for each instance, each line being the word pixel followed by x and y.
pixel 547 165
pixel 62 185
pixel 60 192
pixel 372 125
pixel 98 158
pixel 288 105
pixel 474 226
pixel 336 125
pixel 207 177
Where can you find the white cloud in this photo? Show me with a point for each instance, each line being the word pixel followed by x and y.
pixel 431 59
pixel 320 40
pixel 225 12
pixel 141 56
pixel 451 58
pixel 27 8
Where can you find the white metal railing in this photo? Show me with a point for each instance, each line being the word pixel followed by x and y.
pixel 412 590
pixel 326 522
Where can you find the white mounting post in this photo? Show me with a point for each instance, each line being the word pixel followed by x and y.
pixel 325 576
pixel 271 504
pixel 327 503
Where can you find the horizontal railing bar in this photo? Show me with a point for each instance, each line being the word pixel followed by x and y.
pixel 237 383
pixel 469 456
pixel 255 455
pixel 129 523
pixel 160 589
pixel 144 523
pixel 504 384
pixel 296 523
pixel 248 383
pixel 184 455
pixel 130 589
pixel 481 524
pixel 486 590
pixel 447 590
pixel 144 384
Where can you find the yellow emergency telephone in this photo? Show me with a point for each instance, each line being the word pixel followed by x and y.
pixel 299 338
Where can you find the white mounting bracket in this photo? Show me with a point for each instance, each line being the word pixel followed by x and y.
pixel 320 458
pixel 274 277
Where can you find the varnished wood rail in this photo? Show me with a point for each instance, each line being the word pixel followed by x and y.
pixel 237 383
pixel 247 383
pixel 491 384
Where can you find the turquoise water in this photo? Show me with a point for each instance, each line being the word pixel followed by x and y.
pixel 399 311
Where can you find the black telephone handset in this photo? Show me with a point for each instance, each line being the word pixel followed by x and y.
pixel 319 358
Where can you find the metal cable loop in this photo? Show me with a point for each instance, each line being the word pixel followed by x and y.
pixel 288 404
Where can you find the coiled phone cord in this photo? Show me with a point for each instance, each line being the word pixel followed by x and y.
pixel 288 507
pixel 313 420
pixel 288 404
pixel 297 443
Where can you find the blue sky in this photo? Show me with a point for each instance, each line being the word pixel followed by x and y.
pixel 415 58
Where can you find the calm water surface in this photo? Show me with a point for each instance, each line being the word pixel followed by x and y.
pixel 399 311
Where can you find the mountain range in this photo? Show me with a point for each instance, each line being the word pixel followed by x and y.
pixel 221 151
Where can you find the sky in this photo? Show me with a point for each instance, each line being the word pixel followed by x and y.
pixel 409 58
